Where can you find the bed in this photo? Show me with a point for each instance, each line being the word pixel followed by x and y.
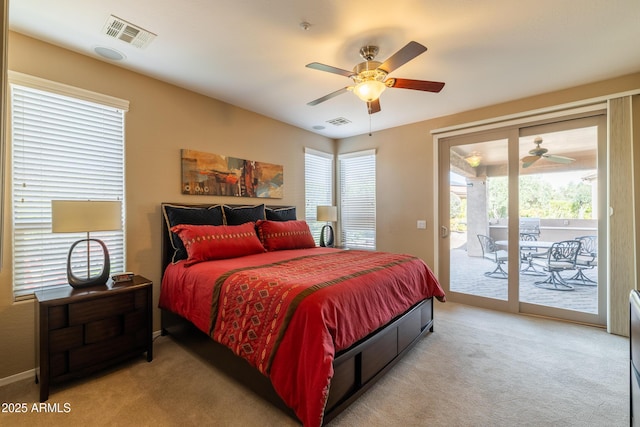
pixel 308 328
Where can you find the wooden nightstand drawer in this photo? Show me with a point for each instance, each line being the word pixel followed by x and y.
pixel 83 331
pixel 58 317
pixel 101 330
pixel 65 338
pixel 100 352
pixel 84 312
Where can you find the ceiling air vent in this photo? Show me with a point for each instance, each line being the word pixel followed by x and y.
pixel 127 32
pixel 339 121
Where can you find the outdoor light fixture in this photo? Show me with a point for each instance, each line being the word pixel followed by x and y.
pixel 473 159
pixel 327 214
pixel 72 216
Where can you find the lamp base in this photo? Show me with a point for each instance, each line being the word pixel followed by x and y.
pixel 100 279
pixel 329 242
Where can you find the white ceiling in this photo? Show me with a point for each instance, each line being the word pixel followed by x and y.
pixel 252 53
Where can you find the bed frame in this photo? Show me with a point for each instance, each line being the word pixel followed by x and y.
pixel 355 369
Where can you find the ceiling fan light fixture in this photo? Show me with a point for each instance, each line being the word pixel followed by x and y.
pixel 473 159
pixel 369 90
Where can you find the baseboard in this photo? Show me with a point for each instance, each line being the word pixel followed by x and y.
pixel 31 373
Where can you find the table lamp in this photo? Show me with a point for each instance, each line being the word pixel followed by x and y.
pixel 73 216
pixel 327 214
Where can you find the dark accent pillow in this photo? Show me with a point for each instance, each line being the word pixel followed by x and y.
pixel 279 235
pixel 242 214
pixel 176 214
pixel 281 214
pixel 211 242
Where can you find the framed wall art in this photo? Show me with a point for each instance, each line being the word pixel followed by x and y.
pixel 207 174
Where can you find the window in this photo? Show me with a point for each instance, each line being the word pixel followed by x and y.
pixel 358 199
pixel 318 186
pixel 62 147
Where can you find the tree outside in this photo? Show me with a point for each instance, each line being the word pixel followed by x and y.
pixel 540 199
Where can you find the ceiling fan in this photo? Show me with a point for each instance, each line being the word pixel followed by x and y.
pixel 539 152
pixel 370 77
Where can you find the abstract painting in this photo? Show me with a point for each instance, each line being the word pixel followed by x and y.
pixel 206 174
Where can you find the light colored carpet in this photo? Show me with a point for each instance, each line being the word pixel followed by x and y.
pixel 479 368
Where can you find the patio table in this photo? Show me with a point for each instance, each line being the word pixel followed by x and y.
pixel 529 244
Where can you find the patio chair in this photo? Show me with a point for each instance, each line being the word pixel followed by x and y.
pixel 528 253
pixel 530 226
pixel 491 252
pixel 561 257
pixel 587 259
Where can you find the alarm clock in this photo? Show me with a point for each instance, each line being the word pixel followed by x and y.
pixel 122 277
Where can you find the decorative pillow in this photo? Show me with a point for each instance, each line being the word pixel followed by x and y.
pixel 175 215
pixel 279 235
pixel 242 214
pixel 282 214
pixel 210 242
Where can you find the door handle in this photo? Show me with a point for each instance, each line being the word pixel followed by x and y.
pixel 444 231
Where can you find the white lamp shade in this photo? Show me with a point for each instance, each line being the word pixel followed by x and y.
pixel 71 216
pixel 327 213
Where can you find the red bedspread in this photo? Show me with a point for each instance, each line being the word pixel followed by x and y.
pixel 289 312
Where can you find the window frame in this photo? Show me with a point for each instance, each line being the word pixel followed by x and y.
pixel 115 108
pixel 313 195
pixel 357 214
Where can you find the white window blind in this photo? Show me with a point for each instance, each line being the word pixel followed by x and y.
pixel 358 199
pixel 63 148
pixel 318 187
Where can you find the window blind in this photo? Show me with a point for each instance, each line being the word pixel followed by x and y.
pixel 318 187
pixel 62 148
pixel 358 199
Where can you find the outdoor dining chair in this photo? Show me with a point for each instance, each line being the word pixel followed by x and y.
pixel 587 259
pixel 561 257
pixel 491 252
pixel 528 253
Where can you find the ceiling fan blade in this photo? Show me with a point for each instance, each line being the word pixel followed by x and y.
pixel 401 57
pixel 330 69
pixel 529 160
pixel 424 85
pixel 329 96
pixel 558 159
pixel 373 106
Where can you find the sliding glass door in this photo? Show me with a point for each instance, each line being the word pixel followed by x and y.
pixel 562 175
pixel 473 211
pixel 515 200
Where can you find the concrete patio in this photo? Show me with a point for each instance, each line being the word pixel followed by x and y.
pixel 467 276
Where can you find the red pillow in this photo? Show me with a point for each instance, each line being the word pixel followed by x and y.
pixel 279 235
pixel 209 242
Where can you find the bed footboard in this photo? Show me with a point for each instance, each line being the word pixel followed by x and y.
pixel 356 369
pixel 359 367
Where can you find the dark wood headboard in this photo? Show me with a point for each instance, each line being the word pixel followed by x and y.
pixel 167 249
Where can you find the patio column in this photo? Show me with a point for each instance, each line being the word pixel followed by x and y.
pixel 477 216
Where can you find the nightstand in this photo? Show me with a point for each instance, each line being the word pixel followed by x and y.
pixel 80 331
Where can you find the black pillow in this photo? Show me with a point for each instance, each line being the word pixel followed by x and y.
pixel 174 215
pixel 242 214
pixel 281 214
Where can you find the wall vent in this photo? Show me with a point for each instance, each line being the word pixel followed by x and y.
pixel 127 32
pixel 339 121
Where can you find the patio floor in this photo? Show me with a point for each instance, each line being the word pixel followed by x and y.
pixel 467 276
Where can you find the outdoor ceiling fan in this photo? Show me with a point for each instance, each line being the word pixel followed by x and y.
pixel 370 77
pixel 539 152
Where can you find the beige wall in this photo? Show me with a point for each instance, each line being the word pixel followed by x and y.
pixel 161 120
